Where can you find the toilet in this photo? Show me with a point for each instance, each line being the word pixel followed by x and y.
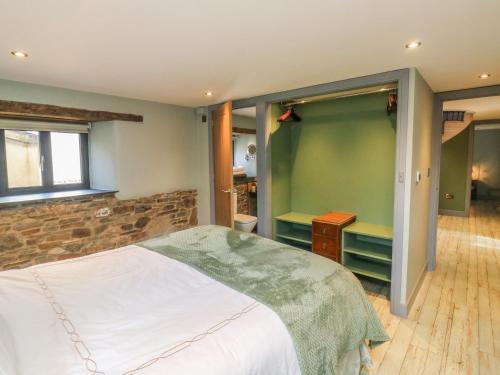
pixel 244 223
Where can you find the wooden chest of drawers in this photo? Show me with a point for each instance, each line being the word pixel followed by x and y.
pixel 327 234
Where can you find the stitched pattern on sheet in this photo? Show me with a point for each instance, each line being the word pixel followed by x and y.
pixel 78 344
pixel 186 344
pixel 84 352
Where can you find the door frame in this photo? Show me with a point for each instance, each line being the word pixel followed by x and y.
pixel 227 106
pixel 439 99
pixel 401 179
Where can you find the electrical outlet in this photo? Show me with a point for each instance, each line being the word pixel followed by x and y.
pixel 103 212
pixel 449 196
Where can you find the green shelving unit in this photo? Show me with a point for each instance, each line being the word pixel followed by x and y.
pixel 367 250
pixel 295 229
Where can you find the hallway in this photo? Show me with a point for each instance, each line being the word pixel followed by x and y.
pixel 454 325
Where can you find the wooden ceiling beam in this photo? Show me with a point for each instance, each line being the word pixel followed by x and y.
pixel 48 112
pixel 244 130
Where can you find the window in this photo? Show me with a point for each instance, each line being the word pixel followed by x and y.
pixel 66 158
pixel 42 161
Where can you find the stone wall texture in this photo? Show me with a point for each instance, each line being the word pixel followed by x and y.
pixel 242 199
pixel 33 233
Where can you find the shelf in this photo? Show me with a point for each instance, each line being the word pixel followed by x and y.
pixel 295 229
pixel 370 250
pixel 297 218
pixel 370 230
pixel 363 267
pixel 367 250
pixel 294 243
pixel 296 236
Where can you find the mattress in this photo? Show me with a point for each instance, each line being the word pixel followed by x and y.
pixel 134 311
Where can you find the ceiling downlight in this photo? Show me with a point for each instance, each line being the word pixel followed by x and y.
pixel 20 54
pixel 413 45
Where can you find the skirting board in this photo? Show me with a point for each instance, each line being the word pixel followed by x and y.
pixel 402 310
pixel 453 213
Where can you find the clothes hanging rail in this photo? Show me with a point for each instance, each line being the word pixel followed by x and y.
pixel 326 97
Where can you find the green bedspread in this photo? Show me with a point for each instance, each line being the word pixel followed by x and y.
pixel 321 303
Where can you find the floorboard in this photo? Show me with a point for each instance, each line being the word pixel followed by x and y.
pixel 454 324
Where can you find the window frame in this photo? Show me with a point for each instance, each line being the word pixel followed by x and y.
pixel 47 171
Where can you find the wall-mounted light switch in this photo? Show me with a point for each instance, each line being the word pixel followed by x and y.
pixel 418 177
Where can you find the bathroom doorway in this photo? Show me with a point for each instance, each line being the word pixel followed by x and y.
pixel 244 142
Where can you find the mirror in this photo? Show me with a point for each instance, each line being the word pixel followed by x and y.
pixel 251 152
pixel 252 149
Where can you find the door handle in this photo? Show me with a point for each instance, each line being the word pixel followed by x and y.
pixel 227 190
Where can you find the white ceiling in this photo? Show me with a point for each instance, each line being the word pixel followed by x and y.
pixel 483 108
pixel 174 51
pixel 246 112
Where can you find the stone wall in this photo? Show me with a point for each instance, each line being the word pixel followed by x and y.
pixel 242 198
pixel 59 229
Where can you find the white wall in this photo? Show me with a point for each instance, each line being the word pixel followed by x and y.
pixel 417 197
pixel 162 154
pixel 241 143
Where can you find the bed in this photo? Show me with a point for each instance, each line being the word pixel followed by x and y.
pixel 207 300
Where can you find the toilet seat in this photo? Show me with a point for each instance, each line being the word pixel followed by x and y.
pixel 244 219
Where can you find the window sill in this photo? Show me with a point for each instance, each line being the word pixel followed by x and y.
pixel 40 197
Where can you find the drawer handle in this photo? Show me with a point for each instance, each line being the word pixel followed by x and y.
pixel 323 230
pixel 324 245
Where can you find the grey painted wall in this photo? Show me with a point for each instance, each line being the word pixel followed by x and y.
pixel 163 154
pixel 486 163
pixel 420 138
pixel 103 157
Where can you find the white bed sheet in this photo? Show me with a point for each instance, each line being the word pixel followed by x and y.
pixel 129 306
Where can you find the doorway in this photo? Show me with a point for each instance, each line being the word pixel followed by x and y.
pixel 234 150
pixel 466 156
pixel 244 142
pixel 470 154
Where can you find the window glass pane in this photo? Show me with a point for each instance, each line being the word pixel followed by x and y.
pixel 23 158
pixel 66 158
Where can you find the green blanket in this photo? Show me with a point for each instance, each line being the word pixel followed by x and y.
pixel 321 303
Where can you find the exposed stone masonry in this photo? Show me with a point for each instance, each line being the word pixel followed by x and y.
pixel 242 200
pixel 34 233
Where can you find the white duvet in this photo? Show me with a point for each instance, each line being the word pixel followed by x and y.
pixel 133 311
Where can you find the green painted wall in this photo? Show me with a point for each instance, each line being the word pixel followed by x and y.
pixel 486 163
pixel 454 173
pixel 342 157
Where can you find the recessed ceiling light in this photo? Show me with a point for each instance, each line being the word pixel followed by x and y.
pixel 485 75
pixel 413 44
pixel 209 93
pixel 19 54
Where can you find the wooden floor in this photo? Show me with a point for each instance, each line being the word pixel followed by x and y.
pixel 454 324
